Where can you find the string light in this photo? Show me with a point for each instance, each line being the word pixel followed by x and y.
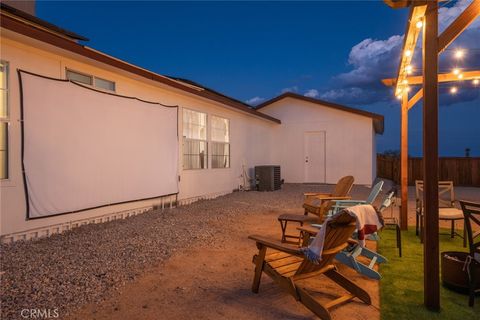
pixel 408 53
pixel 409 69
pixel 453 90
pixel 460 76
pixel 405 81
pixel 419 24
pixel 476 82
pixel 407 89
pixel 459 53
pixel 456 71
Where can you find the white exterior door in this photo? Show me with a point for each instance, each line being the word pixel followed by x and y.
pixel 314 157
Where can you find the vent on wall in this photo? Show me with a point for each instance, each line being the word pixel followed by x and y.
pixel 267 178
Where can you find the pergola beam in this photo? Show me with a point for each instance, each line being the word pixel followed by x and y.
pixel 431 250
pixel 415 99
pixel 459 25
pixel 410 41
pixel 404 162
pixel 443 77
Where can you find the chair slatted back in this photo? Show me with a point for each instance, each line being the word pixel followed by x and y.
pixel 471 213
pixel 375 192
pixel 342 189
pixel 338 232
pixel 343 186
pixel 446 193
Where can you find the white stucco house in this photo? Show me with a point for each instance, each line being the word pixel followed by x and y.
pixel 86 137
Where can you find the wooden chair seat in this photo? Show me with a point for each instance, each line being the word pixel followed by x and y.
pixel 447 210
pixel 450 214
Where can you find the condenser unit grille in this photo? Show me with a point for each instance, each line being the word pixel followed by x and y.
pixel 268 178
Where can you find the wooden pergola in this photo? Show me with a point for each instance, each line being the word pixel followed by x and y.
pixel 423 18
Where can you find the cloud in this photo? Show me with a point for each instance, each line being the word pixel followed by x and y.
pixel 289 89
pixel 312 93
pixel 372 60
pixel 255 101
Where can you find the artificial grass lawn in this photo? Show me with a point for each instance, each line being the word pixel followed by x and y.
pixel 401 286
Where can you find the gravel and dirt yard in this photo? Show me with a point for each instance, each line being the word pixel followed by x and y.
pixel 193 261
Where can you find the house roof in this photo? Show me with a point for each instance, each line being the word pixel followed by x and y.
pixel 377 118
pixel 30 26
pixel 40 23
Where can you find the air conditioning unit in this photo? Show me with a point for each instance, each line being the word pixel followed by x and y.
pixel 267 178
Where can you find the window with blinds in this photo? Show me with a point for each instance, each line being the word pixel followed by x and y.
pixel 90 80
pixel 4 120
pixel 220 146
pixel 195 145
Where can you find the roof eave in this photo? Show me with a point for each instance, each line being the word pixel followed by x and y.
pixel 378 119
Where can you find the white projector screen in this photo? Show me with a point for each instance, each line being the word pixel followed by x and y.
pixel 83 148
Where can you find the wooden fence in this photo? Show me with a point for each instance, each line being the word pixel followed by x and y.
pixel 462 171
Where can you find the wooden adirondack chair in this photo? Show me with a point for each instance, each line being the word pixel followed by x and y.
pixel 318 204
pixel 287 265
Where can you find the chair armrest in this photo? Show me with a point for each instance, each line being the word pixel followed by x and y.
pixel 318 194
pixel 348 203
pixel 309 229
pixel 276 244
pixel 335 198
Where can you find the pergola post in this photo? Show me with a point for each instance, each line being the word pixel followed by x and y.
pixel 431 268
pixel 404 163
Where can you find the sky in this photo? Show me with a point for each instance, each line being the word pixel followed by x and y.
pixel 336 51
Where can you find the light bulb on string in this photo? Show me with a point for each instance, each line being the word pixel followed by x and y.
pixel 456 71
pixel 453 90
pixel 419 24
pixel 408 53
pixel 459 53
pixel 460 76
pixel 398 94
pixel 409 69
pixel 476 82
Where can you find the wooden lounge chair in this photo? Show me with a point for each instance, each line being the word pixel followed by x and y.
pixel 288 267
pixel 447 210
pixel 471 211
pixel 319 204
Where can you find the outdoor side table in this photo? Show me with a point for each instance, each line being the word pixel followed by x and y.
pixel 301 219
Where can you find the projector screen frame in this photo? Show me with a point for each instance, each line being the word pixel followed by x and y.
pixel 22 145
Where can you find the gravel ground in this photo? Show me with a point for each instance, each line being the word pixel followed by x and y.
pixel 87 264
pixel 93 262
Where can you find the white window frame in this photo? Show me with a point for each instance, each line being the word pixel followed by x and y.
pixel 93 80
pixel 6 119
pixel 212 141
pixel 206 157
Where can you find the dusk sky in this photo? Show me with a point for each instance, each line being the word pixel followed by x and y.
pixel 336 51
